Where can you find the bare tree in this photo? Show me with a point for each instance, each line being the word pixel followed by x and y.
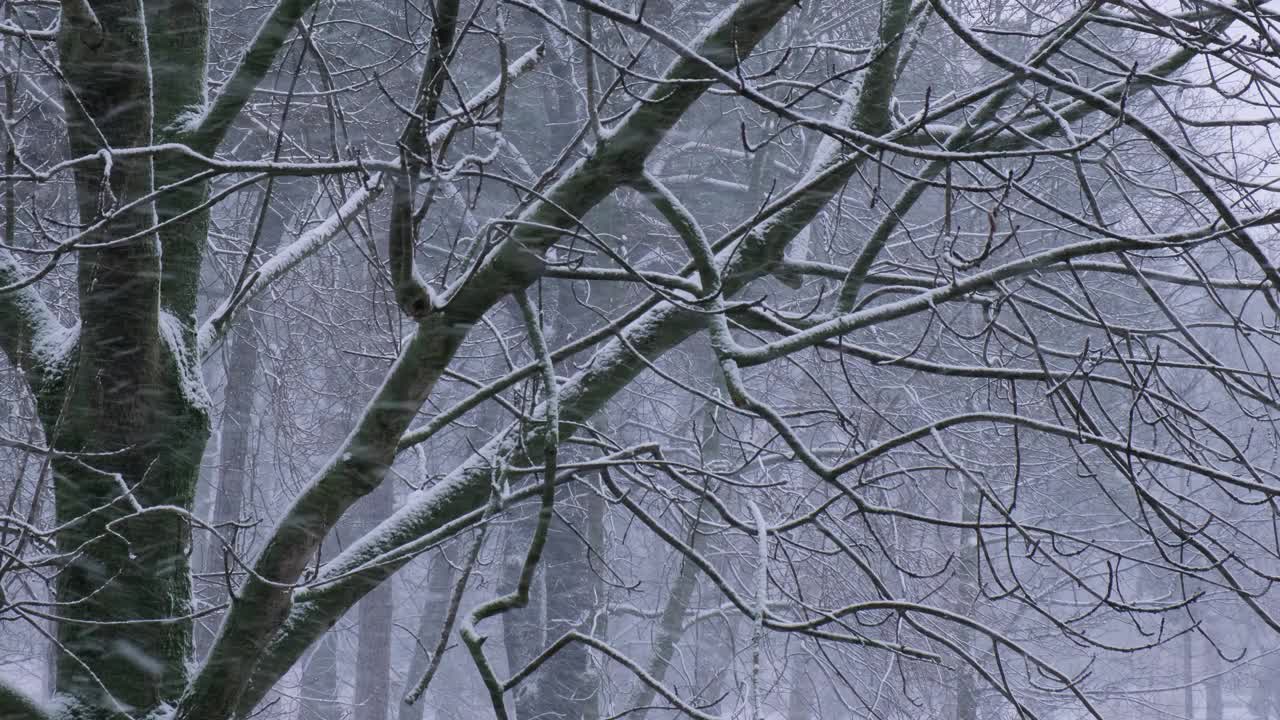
pixel 973 303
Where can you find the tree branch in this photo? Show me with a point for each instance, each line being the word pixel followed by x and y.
pixel 30 334
pixel 8 28
pixel 284 261
pixel 663 326
pixel 312 240
pixel 362 461
pixel 206 131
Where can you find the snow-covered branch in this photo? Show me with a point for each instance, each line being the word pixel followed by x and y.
pixel 317 237
pixel 31 336
pixel 207 126
pixel 362 461
pixel 285 260
pixel 360 464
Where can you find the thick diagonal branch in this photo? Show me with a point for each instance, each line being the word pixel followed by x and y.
pixel 759 245
pixel 362 460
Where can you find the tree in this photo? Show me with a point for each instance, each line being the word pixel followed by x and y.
pixel 956 272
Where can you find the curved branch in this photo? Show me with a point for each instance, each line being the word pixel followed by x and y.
pixel 368 451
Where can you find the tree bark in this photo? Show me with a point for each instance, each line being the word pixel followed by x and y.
pixel 319 687
pixel 598 623
pixel 565 684
pixel 966 698
pixel 670 628
pixel 800 704
pixel 440 579
pixel 523 629
pixel 373 651
pixel 132 392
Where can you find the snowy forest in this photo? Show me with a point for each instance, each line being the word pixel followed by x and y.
pixel 644 359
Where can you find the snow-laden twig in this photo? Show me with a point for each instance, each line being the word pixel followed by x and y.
pixel 285 260
pixel 845 324
pixel 31 336
pixel 312 240
pixel 608 650
pixel 170 152
pixel 8 28
pixel 520 597
pixel 455 601
pixel 762 605
pixel 209 125
pixel 514 264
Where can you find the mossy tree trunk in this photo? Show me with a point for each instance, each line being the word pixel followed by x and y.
pixel 129 394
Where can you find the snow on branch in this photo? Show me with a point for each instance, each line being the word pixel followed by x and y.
pixel 8 28
pixel 312 240
pixel 515 264
pixel 285 260
pixel 30 334
pixel 659 329
pixel 353 471
pixel 207 128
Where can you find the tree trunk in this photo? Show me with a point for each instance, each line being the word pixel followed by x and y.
pixel 440 580
pixel 966 699
pixel 234 482
pixel 801 705
pixel 670 626
pixel 133 394
pixel 598 623
pixel 522 628
pixel 373 653
pixel 233 476
pixel 1188 689
pixel 319 687
pixel 565 683
pixel 1213 699
pixel 566 688
pixel 1213 709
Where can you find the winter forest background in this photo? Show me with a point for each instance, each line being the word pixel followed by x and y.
pixel 586 359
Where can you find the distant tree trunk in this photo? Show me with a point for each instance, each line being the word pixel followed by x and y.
pixel 565 683
pixel 234 481
pixel 800 706
pixel 233 474
pixel 566 687
pixel 319 687
pixel 670 626
pixel 440 580
pixel 1188 691
pixel 1213 709
pixel 1213 699
pixel 598 622
pixel 966 698
pixel 522 629
pixel 373 652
